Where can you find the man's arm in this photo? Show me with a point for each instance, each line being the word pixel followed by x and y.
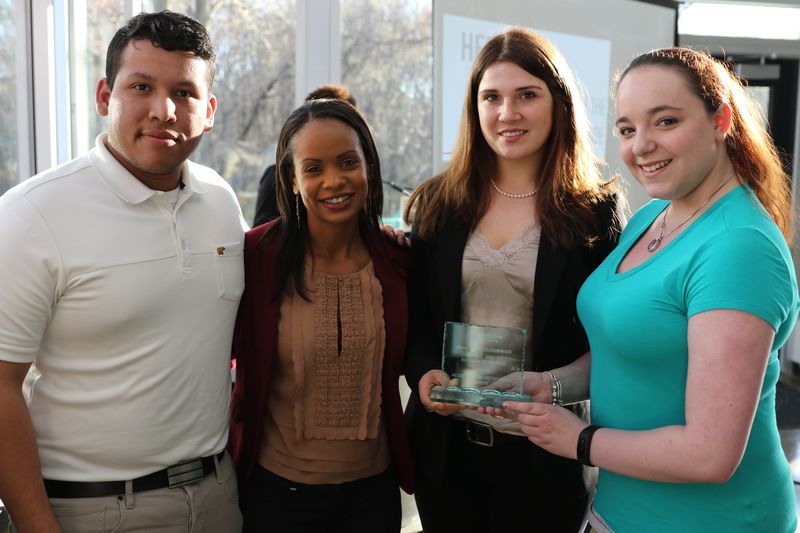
pixel 21 485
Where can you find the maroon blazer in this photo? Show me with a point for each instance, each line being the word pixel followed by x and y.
pixel 256 345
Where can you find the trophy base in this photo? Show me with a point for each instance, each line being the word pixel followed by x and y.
pixel 476 397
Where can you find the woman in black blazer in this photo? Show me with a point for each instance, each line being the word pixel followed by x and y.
pixel 521 214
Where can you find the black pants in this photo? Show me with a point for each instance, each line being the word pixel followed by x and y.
pixel 491 490
pixel 369 505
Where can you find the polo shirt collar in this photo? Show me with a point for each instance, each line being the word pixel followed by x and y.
pixel 191 184
pixel 126 185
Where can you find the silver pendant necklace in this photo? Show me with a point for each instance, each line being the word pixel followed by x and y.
pixel 511 194
pixel 653 245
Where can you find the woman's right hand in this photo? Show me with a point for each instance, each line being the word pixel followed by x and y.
pixel 537 385
pixel 427 382
pixel 396 235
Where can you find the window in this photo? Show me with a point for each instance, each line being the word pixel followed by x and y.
pixel 762 95
pixel 254 85
pixel 387 63
pixel 9 156
pixel 92 24
pixel 726 20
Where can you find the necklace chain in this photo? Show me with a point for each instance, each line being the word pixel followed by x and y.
pixel 653 245
pixel 511 194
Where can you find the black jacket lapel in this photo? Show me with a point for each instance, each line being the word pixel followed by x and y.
pixel 549 268
pixel 450 252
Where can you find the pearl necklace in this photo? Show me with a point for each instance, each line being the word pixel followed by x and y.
pixel 655 243
pixel 511 194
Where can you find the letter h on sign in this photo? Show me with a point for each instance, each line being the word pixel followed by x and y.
pixel 471 43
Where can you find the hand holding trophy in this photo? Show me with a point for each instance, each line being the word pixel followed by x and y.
pixel 482 366
pixel 437 379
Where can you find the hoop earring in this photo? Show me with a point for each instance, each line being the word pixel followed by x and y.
pixel 297 208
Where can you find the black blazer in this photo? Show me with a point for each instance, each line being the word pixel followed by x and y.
pixel 558 337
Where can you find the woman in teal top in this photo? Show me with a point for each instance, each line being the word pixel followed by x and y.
pixel 684 318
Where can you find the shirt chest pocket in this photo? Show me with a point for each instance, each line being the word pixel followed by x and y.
pixel 229 266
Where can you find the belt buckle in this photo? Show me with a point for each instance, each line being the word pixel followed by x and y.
pixel 185 473
pixel 471 425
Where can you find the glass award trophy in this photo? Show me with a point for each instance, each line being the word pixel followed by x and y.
pixel 485 365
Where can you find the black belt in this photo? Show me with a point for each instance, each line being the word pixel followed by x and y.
pixel 177 475
pixel 485 435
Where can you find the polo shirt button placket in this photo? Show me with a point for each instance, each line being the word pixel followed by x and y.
pixel 184 256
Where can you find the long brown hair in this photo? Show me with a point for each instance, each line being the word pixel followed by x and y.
pixel 750 148
pixel 570 183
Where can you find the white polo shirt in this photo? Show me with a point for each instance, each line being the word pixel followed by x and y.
pixel 126 305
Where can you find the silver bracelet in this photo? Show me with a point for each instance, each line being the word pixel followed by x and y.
pixel 555 388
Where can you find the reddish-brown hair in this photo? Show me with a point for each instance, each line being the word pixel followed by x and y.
pixel 750 148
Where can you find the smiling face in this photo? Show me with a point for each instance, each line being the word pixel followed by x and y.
pixel 670 142
pixel 157 111
pixel 330 173
pixel 515 110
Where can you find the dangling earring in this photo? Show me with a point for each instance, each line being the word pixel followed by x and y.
pixel 297 208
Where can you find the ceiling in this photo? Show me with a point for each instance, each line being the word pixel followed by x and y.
pixel 778 3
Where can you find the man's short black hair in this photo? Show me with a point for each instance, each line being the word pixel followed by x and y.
pixel 167 30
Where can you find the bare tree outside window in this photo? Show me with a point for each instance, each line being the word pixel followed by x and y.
pixel 387 63
pixel 9 168
pixel 90 33
pixel 254 85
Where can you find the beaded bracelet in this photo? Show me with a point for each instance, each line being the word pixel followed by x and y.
pixel 555 388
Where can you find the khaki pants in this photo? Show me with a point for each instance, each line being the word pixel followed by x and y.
pixel 209 506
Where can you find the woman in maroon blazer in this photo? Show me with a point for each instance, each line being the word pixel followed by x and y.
pixel 317 430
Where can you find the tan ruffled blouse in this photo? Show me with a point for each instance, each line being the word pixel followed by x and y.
pixel 323 423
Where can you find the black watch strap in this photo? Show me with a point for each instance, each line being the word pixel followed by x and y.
pixel 585 444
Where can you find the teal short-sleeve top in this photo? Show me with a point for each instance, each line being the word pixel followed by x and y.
pixel 731 257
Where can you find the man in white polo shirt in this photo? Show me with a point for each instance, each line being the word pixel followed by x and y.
pixel 121 276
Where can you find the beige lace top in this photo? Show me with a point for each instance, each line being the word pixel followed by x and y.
pixel 497 290
pixel 323 423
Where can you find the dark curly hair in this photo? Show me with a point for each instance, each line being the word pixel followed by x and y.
pixel 332 91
